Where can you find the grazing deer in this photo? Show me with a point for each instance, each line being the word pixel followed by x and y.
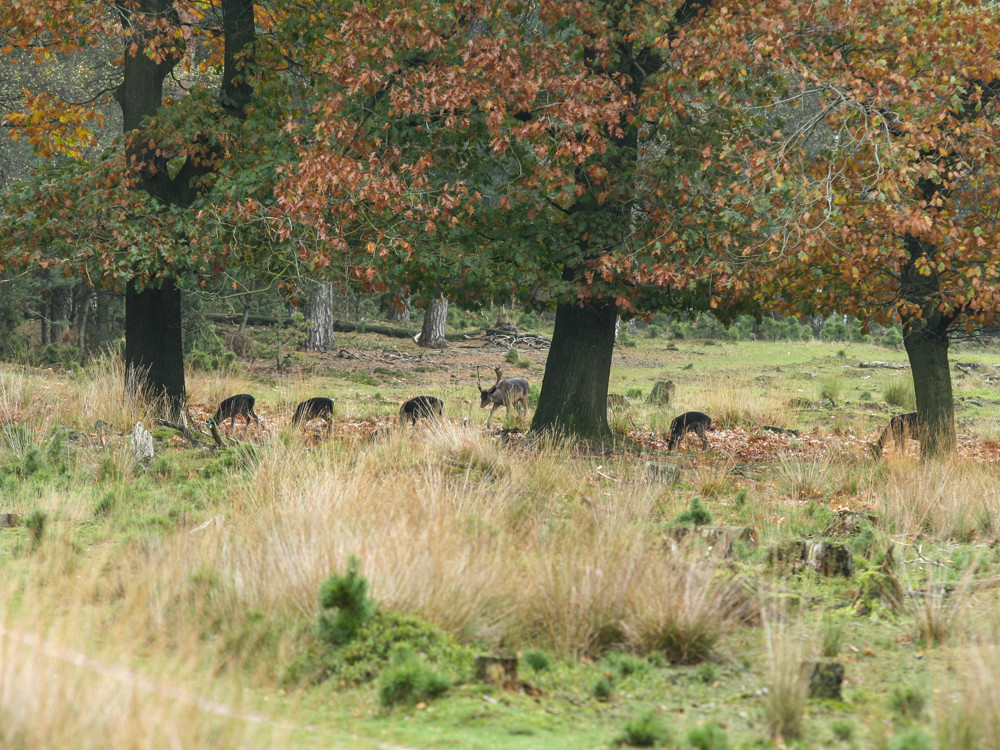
pixel 240 405
pixel 311 408
pixel 689 421
pixel 503 393
pixel 427 407
pixel 901 427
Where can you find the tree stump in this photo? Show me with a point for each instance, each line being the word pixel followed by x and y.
pixel 498 670
pixel 664 471
pixel 826 680
pixel 662 393
pixel 9 520
pixel 849 523
pixel 826 558
pixel 718 537
pixel 142 444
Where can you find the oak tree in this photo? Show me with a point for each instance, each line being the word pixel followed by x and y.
pixel 877 192
pixel 534 150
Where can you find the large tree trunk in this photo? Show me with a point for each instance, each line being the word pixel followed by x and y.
pixel 154 353
pixel 154 357
pixel 574 396
pixel 927 348
pixel 925 336
pixel 319 313
pixel 432 333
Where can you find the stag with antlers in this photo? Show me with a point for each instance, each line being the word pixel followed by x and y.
pixel 505 392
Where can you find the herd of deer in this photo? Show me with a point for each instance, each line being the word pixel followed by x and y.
pixel 510 392
pixel 504 392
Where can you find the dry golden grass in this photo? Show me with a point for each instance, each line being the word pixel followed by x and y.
pixel 949 499
pixel 967 708
pixel 785 676
pixel 738 405
pixel 68 679
pixel 530 546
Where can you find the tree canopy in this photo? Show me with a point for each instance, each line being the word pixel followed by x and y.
pixel 599 158
pixel 876 193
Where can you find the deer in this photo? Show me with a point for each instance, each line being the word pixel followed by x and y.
pixel 505 392
pixel 690 421
pixel 428 407
pixel 311 408
pixel 901 427
pixel 240 405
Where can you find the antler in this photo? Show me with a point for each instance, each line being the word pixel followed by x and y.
pixel 499 372
pixel 479 383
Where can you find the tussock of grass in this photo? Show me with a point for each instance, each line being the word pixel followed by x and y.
pixel 803 479
pixel 786 678
pixel 941 500
pixel 741 406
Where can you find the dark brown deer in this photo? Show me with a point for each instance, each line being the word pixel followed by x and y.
pixel 240 405
pixel 318 406
pixel 901 427
pixel 428 407
pixel 511 391
pixel 690 421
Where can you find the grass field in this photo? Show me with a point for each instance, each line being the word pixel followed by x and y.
pixel 653 599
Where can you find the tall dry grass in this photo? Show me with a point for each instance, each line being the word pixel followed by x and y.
pixel 741 405
pixel 949 499
pixel 967 705
pixel 68 679
pixel 786 675
pixel 492 543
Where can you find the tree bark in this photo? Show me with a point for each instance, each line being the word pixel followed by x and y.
pixel 400 314
pixel 81 312
pixel 154 356
pixel 319 313
pixel 927 348
pixel 925 337
pixel 574 394
pixel 432 333
pixel 154 352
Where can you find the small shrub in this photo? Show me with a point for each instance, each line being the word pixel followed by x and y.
pixel 604 688
pixel 892 337
pixel 537 659
pixel 408 679
pixel 625 339
pixel 514 357
pixel 708 737
pixel 908 701
pixel 843 729
pixel 624 665
pixel 898 392
pixel 36 522
pixel 633 393
pixel 348 595
pixel 831 637
pixel 830 388
pixel 696 514
pixel 368 653
pixel 912 739
pixel 645 730
pixel 707 673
